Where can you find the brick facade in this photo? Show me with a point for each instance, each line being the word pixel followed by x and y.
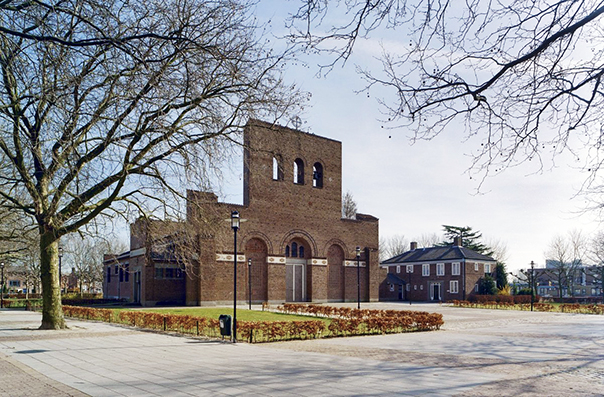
pixel 292 231
pixel 435 274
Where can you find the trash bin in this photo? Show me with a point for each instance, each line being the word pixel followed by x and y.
pixel 225 324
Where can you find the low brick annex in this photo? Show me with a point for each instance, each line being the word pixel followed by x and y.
pixel 293 243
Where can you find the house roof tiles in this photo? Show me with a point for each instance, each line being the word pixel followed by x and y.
pixel 434 254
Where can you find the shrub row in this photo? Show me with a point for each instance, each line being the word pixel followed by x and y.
pixel 347 321
pixel 344 323
pixel 518 299
pixel 21 303
pixel 542 307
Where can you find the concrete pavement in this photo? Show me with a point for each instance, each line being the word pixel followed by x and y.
pixel 479 352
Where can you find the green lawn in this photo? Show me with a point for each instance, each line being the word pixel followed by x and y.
pixel 242 314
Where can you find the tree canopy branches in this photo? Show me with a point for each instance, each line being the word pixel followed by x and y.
pixel 524 77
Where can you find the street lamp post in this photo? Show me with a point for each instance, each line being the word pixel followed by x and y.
pixel 235 227
pixel 358 251
pixel 532 280
pixel 60 275
pixel 2 286
pixel 409 286
pixel 249 282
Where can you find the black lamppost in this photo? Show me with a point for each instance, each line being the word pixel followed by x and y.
pixel 2 286
pixel 60 262
pixel 358 250
pixel 409 285
pixel 235 227
pixel 532 280
pixel 249 281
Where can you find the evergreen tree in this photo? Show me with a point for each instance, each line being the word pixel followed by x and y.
pixel 501 276
pixel 469 238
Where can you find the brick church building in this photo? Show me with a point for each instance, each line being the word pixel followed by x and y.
pixel 293 243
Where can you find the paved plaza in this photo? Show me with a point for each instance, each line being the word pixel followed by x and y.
pixel 477 353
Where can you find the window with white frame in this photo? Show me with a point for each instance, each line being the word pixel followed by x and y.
pixel 415 287
pixel 398 269
pixel 421 287
pixel 425 269
pixel 476 267
pixel 408 287
pixel 391 287
pixel 487 268
pixel 409 268
pixel 454 286
pixel 440 269
pixel 476 288
pixel 455 268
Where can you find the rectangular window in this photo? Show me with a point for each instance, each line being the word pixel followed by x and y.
pixel 121 274
pixel 425 269
pixel 169 273
pixel 455 268
pixel 421 287
pixel 454 287
pixel 487 268
pixel 398 269
pixel 127 273
pixel 108 274
pixel 14 283
pixel 409 268
pixel 408 287
pixel 476 267
pixel 159 272
pixel 415 287
pixel 116 269
pixel 440 269
pixel 476 288
pixel 391 287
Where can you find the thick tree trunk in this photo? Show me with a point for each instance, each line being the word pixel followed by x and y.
pixel 52 310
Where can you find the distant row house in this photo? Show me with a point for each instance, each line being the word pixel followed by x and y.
pixel 569 280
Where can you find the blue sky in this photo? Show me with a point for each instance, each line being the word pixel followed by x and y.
pixel 416 188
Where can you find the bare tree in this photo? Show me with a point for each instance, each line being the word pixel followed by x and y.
pixel 393 246
pixel 93 125
pixel 524 75
pixel 566 255
pixel 596 255
pixel 349 206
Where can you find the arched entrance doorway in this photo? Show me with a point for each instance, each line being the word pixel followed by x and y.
pixel 335 273
pixel 257 252
pixel 297 252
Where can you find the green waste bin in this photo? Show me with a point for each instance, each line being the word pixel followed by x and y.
pixel 225 324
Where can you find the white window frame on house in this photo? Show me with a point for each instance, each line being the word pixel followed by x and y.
pixel 409 268
pixel 487 268
pixel 421 287
pixel 440 269
pixel 415 287
pixel 408 287
pixel 391 287
pixel 476 267
pixel 398 269
pixel 476 288
pixel 455 268
pixel 454 286
pixel 426 269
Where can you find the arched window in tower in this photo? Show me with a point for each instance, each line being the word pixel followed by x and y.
pixel 277 168
pixel 294 250
pixel 317 175
pixel 301 251
pixel 299 172
pixel 287 251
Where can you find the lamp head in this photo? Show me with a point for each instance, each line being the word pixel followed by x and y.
pixel 358 251
pixel 235 220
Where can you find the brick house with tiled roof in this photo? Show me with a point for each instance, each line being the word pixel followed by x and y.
pixel 435 273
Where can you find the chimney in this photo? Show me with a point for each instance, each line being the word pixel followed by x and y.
pixel 457 242
pixel 413 246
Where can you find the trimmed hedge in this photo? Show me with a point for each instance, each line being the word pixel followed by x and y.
pixel 344 322
pixel 541 307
